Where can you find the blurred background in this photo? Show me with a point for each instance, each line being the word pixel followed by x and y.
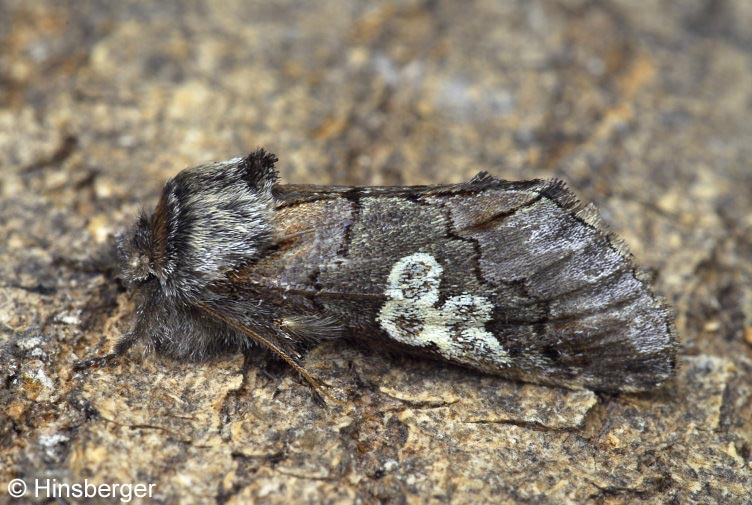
pixel 642 107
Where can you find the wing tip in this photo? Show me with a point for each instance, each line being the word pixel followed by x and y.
pixel 558 192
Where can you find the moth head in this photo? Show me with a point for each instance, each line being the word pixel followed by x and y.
pixel 134 250
pixel 210 220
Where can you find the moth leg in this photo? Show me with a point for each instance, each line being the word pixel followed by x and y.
pixel 276 349
pixel 271 369
pixel 121 347
pixel 248 363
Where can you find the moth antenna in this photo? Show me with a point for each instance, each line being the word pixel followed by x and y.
pixel 318 388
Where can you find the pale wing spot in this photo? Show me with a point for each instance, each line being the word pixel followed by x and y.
pixel 476 310
pixel 456 329
pixel 437 335
pixel 415 278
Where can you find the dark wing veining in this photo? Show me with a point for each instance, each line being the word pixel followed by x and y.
pixel 523 261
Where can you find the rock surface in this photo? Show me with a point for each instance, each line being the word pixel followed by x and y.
pixel 643 107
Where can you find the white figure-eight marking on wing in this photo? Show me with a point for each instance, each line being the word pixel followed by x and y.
pixel 455 329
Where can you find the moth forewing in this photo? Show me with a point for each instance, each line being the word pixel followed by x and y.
pixel 510 278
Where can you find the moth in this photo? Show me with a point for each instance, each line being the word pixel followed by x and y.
pixel 516 279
